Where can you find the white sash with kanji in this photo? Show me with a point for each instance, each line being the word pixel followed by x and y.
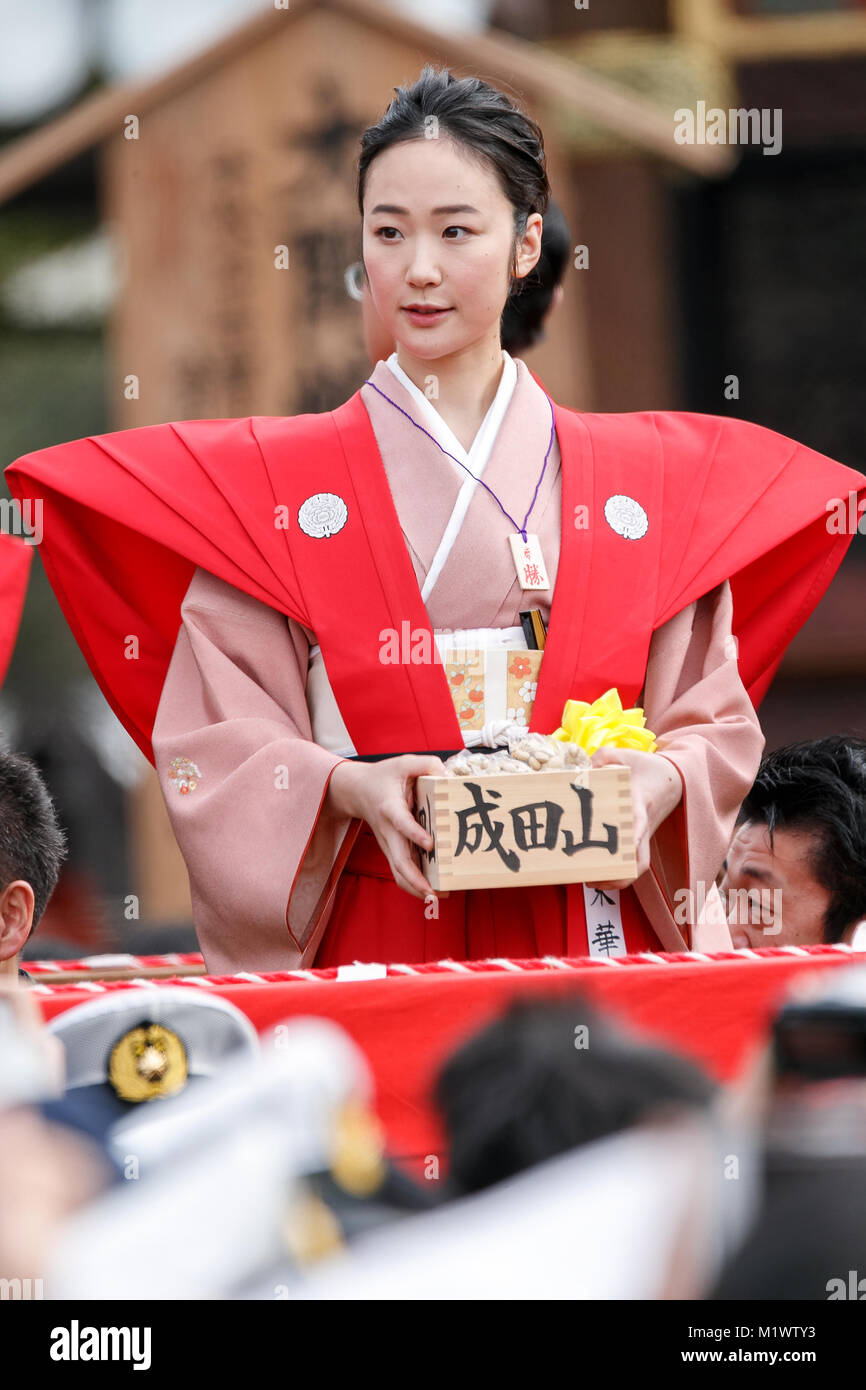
pixel 604 933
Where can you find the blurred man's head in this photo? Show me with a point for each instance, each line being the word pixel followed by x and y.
pixel 795 874
pixel 32 848
pixel 526 309
pixel 546 1077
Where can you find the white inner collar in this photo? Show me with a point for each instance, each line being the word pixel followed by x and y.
pixel 476 457
pixel 475 460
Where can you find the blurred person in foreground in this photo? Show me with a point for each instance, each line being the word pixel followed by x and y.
pixel 284 1144
pixel 795 874
pixel 809 1238
pixel 526 310
pixel 550 1076
pixel 32 849
pixel 585 1163
pixel 46 1171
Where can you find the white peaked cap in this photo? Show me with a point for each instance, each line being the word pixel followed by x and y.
pixel 306 1069
pixel 211 1029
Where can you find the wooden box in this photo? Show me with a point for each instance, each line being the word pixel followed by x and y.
pixel 496 831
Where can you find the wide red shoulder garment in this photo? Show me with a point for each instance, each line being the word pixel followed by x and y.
pixel 128 516
pixel 15 558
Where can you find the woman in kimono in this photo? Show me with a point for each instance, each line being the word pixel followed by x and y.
pixel 240 588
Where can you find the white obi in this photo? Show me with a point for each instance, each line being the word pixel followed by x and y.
pixel 491 673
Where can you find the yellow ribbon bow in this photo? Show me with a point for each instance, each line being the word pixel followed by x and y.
pixel 604 722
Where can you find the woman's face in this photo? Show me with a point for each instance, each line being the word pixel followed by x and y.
pixel 438 230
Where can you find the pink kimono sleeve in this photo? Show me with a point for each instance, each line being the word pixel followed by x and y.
pixel 706 725
pixel 262 851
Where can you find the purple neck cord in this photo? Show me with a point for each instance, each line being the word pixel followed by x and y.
pixel 521 529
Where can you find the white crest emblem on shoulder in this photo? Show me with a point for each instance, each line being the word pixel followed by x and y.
pixel 323 514
pixel 626 516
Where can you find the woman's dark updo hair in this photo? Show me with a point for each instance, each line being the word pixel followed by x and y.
pixel 481 119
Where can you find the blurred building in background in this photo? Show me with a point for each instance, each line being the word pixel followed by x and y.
pixel 154 187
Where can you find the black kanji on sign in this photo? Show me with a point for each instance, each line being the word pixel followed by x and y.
pixel 584 795
pixel 606 937
pixel 483 824
pixel 536 825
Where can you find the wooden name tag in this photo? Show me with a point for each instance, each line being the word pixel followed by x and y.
pixel 522 829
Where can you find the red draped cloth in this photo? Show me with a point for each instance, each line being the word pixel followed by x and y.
pixel 370 920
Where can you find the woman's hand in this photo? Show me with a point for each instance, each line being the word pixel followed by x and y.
pixel 383 794
pixel 656 788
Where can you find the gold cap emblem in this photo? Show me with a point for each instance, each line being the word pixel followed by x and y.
pixel 358 1150
pixel 147 1062
pixel 311 1230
